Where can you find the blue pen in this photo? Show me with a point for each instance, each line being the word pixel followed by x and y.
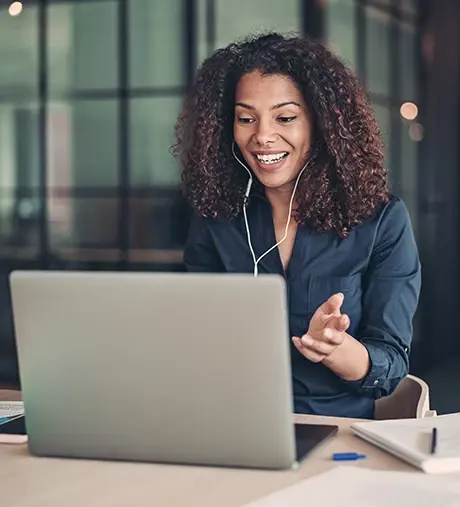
pixel 347 456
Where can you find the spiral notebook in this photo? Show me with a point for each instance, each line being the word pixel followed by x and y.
pixel 411 440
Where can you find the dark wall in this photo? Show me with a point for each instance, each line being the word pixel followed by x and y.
pixel 439 182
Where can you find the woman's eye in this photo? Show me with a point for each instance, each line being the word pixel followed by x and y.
pixel 245 120
pixel 286 119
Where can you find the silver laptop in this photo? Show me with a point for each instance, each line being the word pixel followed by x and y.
pixel 158 367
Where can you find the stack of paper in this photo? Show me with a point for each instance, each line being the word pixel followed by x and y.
pixel 11 408
pixel 411 440
pixel 359 487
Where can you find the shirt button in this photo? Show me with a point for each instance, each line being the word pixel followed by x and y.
pixel 376 382
pixel 406 349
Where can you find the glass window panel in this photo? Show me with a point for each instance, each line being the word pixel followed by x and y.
pixel 201 28
pixel 84 222
pixel 19 53
pixel 383 116
pixel 19 145
pixel 157 43
pixel 83 144
pixel 82 46
pixel 8 142
pixel 19 224
pixel 409 6
pixel 377 51
pixel 240 18
pixel 7 212
pixel 408 64
pixel 341 29
pixel 19 174
pixel 152 135
pixel 159 222
pixel 27 144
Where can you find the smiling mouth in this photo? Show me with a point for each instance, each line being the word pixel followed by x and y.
pixel 271 158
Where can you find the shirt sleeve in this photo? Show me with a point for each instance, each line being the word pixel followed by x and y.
pixel 391 291
pixel 200 252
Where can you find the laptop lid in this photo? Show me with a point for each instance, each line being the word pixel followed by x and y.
pixel 160 367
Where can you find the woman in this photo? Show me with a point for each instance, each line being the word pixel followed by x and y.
pixel 282 162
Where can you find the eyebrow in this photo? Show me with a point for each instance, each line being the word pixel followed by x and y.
pixel 276 106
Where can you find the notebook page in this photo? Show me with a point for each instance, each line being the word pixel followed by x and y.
pixel 359 487
pixel 11 408
pixel 414 435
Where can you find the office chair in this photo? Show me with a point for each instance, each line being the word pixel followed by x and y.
pixel 411 399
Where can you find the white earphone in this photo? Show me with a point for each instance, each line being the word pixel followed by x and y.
pixel 246 196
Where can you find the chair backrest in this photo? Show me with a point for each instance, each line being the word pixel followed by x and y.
pixel 410 399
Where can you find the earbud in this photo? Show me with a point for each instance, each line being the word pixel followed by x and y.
pixel 246 196
pixel 248 191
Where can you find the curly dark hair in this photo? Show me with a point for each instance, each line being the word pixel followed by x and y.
pixel 345 181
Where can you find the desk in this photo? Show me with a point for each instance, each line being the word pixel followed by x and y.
pixel 50 482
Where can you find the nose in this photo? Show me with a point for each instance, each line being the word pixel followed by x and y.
pixel 265 132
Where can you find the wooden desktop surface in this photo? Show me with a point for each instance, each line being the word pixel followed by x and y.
pixel 27 481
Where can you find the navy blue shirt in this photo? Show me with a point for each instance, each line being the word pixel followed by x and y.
pixel 376 267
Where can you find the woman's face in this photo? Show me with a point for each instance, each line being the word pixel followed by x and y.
pixel 272 128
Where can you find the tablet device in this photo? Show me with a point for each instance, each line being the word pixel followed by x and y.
pixel 310 436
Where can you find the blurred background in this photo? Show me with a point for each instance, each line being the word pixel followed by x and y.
pixel 89 93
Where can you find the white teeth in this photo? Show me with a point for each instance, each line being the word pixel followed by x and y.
pixel 272 158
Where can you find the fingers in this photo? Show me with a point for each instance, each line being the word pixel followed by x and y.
pixel 313 356
pixel 333 304
pixel 341 323
pixel 326 331
pixel 316 349
pixel 324 344
pixel 328 309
